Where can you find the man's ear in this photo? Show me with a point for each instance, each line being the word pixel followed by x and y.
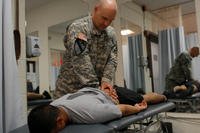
pixel 60 123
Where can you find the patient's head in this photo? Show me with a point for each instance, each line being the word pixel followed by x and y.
pixel 47 119
pixel 194 51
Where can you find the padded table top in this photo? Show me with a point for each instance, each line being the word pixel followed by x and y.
pixel 22 129
pixel 114 125
pixel 150 111
pixel 90 128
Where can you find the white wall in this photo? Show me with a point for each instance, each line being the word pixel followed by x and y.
pixel 54 12
pixel 55 41
pixel 190 23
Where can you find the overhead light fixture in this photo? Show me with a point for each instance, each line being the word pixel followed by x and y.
pixel 125 32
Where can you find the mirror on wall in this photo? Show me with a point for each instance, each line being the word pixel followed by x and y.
pixel 56 50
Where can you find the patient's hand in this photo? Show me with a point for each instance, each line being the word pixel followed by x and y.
pixel 127 109
pixel 142 105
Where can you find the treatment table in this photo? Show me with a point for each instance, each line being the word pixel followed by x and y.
pixel 191 104
pixel 114 126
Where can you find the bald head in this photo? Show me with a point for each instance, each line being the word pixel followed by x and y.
pixel 194 52
pixel 104 13
pixel 110 4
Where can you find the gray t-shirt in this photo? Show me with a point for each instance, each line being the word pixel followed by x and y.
pixel 88 105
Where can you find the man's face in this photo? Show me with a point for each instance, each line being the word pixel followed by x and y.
pixel 194 53
pixel 103 17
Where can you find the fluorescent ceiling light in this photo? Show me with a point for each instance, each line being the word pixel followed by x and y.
pixel 125 32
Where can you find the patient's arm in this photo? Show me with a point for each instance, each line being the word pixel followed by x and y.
pixel 153 98
pixel 129 109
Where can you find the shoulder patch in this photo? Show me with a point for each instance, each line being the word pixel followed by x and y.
pixel 82 36
pixel 65 38
pixel 79 46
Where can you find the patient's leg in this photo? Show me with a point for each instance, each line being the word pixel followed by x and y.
pixel 34 96
pixel 152 98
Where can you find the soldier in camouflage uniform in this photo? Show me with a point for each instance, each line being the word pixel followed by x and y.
pixel 179 78
pixel 90 59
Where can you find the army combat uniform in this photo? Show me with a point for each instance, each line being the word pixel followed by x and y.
pixel 180 74
pixel 89 59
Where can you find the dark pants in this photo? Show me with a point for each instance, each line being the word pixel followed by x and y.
pixel 127 96
pixel 179 94
pixel 169 93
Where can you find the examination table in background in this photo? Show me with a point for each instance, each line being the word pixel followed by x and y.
pixel 191 104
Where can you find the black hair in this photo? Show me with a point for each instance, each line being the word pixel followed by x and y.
pixel 42 119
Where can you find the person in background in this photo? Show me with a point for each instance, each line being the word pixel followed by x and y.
pixel 90 59
pixel 179 82
pixel 34 94
pixel 37 96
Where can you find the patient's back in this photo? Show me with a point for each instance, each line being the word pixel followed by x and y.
pixel 89 105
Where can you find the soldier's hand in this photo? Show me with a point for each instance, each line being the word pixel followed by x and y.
pixel 108 89
pixel 105 85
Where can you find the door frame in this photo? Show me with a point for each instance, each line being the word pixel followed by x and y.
pixel 150 37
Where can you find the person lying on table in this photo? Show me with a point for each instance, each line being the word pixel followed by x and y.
pixel 87 106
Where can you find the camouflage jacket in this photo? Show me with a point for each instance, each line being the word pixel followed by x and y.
pixel 89 59
pixel 180 72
